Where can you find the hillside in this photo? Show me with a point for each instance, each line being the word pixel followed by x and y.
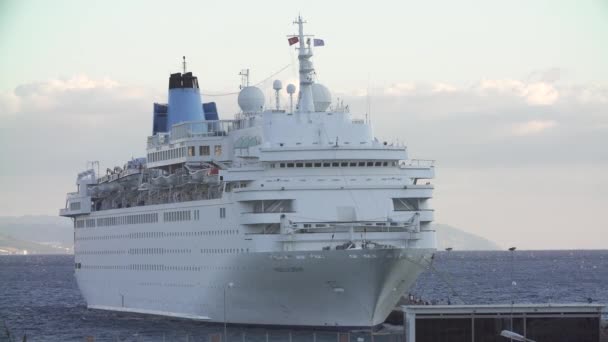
pixel 58 231
pixel 10 245
pixel 41 229
pixel 36 235
pixel 458 239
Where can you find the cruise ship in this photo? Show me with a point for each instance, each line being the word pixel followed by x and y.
pixel 290 213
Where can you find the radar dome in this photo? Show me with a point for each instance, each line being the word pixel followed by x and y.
pixel 291 88
pixel 251 99
pixel 277 85
pixel 321 97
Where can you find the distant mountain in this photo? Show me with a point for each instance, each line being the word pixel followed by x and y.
pixel 40 229
pixel 448 236
pixel 58 231
pixel 36 235
pixel 10 245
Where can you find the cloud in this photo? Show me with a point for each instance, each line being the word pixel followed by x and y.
pixel 9 103
pixel 534 93
pixel 533 127
pixel 79 97
pixel 54 86
pixel 399 89
pixel 484 124
pixel 415 89
pixel 592 94
pixel 551 75
pixel 444 88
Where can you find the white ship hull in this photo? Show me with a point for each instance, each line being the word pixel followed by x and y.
pixel 325 288
pixel 182 268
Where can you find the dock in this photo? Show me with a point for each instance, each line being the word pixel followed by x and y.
pixel 522 322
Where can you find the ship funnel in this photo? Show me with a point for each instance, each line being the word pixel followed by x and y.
pixel 184 99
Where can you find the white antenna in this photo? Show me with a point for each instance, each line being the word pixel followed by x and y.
pixel 244 78
pixel 291 89
pixel 93 164
pixel 368 109
pixel 184 63
pixel 305 99
pixel 277 86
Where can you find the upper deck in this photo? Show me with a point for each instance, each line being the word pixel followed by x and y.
pixel 318 144
pixel 271 136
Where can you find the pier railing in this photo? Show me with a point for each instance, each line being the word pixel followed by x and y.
pixel 263 335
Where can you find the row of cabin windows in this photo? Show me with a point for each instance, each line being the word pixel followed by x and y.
pixel 139 267
pixel 162 251
pixel 155 235
pixel 157 250
pixel 160 267
pixel 205 150
pixel 149 267
pixel 334 164
pixel 124 220
pixel 171 216
pixel 224 250
pixel 168 154
pixel 101 252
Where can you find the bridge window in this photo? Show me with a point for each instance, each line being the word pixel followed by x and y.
pixel 272 206
pixel 405 204
pixel 204 150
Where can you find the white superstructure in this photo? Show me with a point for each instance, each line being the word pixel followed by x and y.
pixel 309 218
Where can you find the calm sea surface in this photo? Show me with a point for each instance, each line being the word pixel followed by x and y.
pixel 39 296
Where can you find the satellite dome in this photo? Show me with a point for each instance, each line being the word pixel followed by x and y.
pixel 291 88
pixel 321 97
pixel 277 85
pixel 251 99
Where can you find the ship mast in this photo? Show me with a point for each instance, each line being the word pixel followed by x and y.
pixel 305 100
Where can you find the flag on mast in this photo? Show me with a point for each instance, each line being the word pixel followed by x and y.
pixel 293 40
pixel 319 42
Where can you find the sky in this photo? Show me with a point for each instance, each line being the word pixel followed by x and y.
pixel 509 97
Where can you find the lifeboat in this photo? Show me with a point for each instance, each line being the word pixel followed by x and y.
pixel 198 176
pixel 160 181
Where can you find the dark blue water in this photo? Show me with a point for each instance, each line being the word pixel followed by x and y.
pixel 39 297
